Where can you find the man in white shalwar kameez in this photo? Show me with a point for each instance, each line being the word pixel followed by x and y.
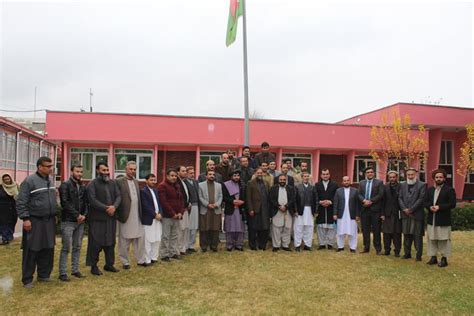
pixel 346 212
pixel 151 219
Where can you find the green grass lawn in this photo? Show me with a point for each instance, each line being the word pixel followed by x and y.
pixel 249 282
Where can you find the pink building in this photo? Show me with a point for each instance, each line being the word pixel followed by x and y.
pixel 20 149
pixel 156 142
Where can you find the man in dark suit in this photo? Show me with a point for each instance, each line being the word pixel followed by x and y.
pixel 370 196
pixel 440 200
pixel 151 219
pixel 258 213
pixel 391 215
pixel 411 198
pixel 326 189
pixel 186 188
pixel 347 213
pixel 282 209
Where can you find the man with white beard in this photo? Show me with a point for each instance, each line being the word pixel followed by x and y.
pixel 411 198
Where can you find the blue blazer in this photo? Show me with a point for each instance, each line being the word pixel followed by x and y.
pixel 148 208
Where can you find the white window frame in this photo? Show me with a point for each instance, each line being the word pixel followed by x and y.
pixel 8 150
pixel 367 160
pixel 292 156
pixel 138 154
pixel 83 150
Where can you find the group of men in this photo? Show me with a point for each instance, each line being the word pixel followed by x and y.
pixel 161 221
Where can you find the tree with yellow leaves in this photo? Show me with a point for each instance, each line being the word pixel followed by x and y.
pixel 397 140
pixel 466 157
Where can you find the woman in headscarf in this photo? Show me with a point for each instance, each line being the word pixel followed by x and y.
pixel 8 217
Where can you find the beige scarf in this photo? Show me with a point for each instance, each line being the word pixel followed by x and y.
pixel 11 189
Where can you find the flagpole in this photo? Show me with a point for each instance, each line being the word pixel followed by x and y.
pixel 246 85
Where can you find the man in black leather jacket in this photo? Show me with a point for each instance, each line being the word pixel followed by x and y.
pixel 74 211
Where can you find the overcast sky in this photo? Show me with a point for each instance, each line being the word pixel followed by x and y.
pixel 308 60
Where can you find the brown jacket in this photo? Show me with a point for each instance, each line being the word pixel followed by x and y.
pixel 123 210
pixel 253 196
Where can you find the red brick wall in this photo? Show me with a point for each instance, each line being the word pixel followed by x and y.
pixel 175 159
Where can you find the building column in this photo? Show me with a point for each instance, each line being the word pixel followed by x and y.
pixel 350 164
pixel 155 160
pixel 111 161
pixel 197 168
pixel 65 162
pixel 279 158
pixel 458 181
pixel 435 137
pixel 315 164
pixel 163 170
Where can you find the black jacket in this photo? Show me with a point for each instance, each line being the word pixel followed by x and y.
pixel 325 214
pixel 300 198
pixel 390 200
pixel 229 200
pixel 273 199
pixel 73 199
pixel 37 198
pixel 446 202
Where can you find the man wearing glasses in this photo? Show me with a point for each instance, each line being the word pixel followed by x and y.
pixel 36 206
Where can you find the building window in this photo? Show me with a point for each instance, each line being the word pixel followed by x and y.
pixel 23 154
pixel 360 163
pixel 34 154
pixel 209 155
pixel 446 160
pixel 297 159
pixel 88 158
pixel 398 166
pixel 8 150
pixel 143 158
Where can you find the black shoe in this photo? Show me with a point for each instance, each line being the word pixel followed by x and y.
pixel 44 280
pixel 353 250
pixel 308 248
pixel 418 258
pixel 166 259
pixel 143 264
pixel 397 255
pixel 275 249
pixel 28 285
pixel 406 256
pixel 176 257
pixel 204 249
pixel 339 249
pixel 153 261
pixel 111 269
pixel 95 271
pixel 214 249
pixel 365 250
pixel 190 251
pixel 286 249
pixel 443 263
pixel 433 260
pixel 321 247
pixel 229 249
pixel 386 253
pixel 297 249
pixel 64 278
pixel 239 248
pixel 5 242
pixel 253 248
pixel 78 275
pixel 330 247
pixel 182 253
pixel 125 267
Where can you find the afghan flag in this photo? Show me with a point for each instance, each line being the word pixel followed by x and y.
pixel 236 9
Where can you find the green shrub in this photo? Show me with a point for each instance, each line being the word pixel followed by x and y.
pixel 463 217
